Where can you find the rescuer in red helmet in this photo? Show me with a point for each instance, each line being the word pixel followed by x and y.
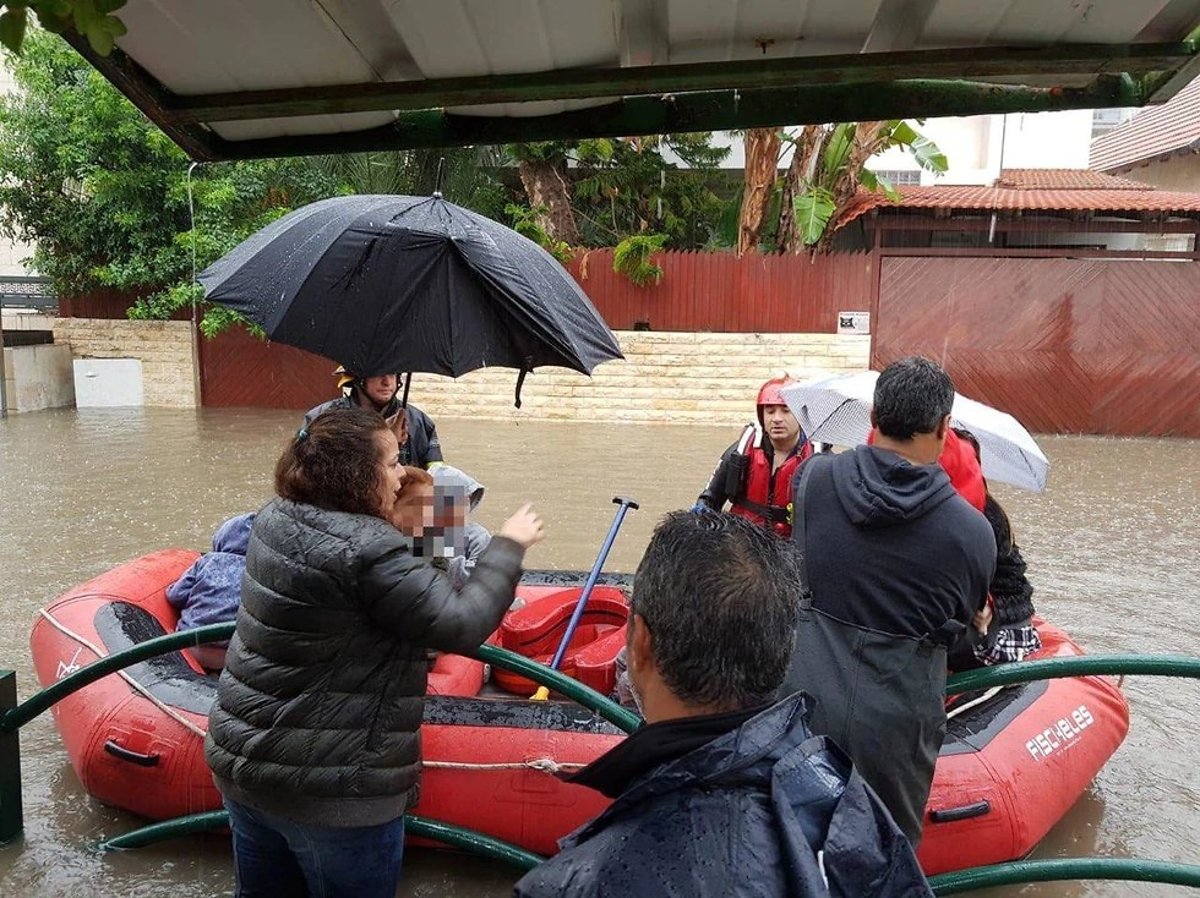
pixel 755 474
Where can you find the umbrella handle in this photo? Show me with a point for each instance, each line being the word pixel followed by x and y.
pixel 625 504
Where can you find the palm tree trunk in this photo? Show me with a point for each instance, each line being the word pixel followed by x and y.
pixel 547 191
pixel 762 161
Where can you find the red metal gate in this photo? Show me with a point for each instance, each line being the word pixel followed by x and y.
pixel 1065 345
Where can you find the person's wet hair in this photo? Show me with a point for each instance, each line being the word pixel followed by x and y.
pixel 720 598
pixel 333 463
pixel 912 396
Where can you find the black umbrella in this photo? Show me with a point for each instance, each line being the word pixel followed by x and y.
pixel 387 284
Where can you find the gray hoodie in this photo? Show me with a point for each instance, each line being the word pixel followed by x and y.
pixel 460 547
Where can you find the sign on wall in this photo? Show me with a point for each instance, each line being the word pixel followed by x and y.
pixel 854 323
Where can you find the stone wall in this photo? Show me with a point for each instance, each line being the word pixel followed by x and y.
pixel 667 377
pixel 166 349
pixel 38 377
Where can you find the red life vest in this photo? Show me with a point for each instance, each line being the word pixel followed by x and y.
pixel 767 497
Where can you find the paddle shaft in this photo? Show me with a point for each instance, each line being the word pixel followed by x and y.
pixel 573 623
pixel 407 384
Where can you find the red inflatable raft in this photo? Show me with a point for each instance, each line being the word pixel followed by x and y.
pixel 1014 761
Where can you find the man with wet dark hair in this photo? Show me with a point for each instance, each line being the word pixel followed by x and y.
pixel 722 793
pixel 912 396
pixel 895 565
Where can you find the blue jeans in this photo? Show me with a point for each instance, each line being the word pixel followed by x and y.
pixel 276 857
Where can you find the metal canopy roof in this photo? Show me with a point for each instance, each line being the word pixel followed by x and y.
pixel 245 78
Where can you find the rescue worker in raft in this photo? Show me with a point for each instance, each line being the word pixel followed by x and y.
pixel 414 430
pixel 755 477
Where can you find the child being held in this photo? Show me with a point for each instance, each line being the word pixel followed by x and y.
pixel 455 539
pixel 210 591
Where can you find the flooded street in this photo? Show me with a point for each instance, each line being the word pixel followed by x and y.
pixel 1111 546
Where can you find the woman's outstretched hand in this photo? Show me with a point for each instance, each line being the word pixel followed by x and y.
pixel 524 527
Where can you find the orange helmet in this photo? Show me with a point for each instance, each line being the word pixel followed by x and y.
pixel 772 393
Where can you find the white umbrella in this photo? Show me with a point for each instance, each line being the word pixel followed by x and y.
pixel 837 410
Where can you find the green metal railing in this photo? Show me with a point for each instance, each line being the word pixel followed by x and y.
pixel 14 715
pixel 1077 666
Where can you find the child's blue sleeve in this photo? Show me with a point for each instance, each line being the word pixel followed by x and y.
pixel 179 591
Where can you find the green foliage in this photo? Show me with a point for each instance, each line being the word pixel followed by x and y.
pixel 668 184
pixel 875 182
pixel 633 258
pixel 91 18
pixel 102 193
pixel 841 167
pixel 527 223
pixel 920 147
pixel 836 150
pixel 814 208
pixel 466 179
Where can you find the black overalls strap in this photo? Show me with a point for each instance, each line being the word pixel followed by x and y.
pixel 800 532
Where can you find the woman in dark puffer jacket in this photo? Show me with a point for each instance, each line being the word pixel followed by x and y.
pixel 314 739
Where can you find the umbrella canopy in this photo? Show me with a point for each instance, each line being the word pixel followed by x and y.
pixel 389 284
pixel 837 410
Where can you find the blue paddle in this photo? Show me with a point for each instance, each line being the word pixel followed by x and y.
pixel 543 693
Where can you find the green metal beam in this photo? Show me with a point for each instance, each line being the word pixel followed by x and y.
pixel 1162 86
pixel 585 84
pixel 709 111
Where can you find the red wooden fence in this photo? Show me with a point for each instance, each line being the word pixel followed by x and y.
pixel 1066 345
pixel 698 292
pixel 720 292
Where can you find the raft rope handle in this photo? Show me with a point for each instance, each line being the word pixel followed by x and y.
pixel 966 706
pixel 137 687
pixel 544 765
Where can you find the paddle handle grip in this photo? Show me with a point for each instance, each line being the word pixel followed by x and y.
pixel 624 506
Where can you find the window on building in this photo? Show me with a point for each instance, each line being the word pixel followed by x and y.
pixel 901 177
pixel 1104 120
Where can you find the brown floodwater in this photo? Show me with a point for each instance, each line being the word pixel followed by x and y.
pixel 1112 547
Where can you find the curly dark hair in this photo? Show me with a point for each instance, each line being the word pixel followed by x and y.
pixel 333 463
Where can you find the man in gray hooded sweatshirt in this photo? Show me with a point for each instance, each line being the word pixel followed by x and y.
pixel 895 564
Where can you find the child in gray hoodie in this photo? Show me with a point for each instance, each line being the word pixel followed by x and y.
pixel 455 542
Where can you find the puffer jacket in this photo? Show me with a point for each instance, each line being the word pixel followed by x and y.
pixel 319 706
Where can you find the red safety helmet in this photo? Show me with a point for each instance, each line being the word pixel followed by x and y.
pixel 772 393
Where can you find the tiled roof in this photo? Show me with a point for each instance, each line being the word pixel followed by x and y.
pixel 1153 132
pixel 1064 179
pixel 1039 193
